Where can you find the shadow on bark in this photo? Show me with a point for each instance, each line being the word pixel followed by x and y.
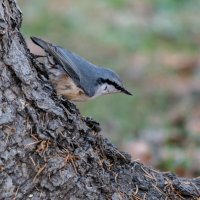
pixel 49 151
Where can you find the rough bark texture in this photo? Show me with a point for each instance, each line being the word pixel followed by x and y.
pixel 49 151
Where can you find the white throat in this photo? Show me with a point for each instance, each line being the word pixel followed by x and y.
pixel 105 89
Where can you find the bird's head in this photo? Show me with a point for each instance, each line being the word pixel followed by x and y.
pixel 109 82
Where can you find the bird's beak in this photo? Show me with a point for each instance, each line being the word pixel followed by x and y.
pixel 126 92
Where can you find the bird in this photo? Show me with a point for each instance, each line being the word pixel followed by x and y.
pixel 77 79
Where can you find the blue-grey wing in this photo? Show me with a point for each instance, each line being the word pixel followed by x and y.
pixel 82 72
pixel 62 57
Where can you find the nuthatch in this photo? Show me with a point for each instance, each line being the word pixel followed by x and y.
pixel 76 78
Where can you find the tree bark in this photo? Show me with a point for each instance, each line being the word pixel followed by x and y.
pixel 49 151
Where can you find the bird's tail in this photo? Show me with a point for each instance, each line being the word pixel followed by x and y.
pixel 44 45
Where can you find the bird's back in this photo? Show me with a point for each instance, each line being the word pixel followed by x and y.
pixel 78 68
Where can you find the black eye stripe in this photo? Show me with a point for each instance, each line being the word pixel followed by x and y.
pixel 111 83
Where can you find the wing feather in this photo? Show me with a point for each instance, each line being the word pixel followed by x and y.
pixel 62 56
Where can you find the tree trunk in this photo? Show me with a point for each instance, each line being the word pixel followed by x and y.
pixel 49 151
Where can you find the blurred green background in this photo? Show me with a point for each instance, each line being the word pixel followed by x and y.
pixel 154 45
